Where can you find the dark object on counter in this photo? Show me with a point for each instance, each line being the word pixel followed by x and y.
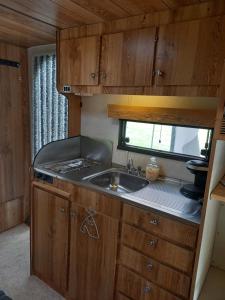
pixel 196 190
pixel 3 296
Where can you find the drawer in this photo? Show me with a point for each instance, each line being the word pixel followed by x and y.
pixel 159 249
pixel 137 288
pixel 99 202
pixel 164 227
pixel 172 280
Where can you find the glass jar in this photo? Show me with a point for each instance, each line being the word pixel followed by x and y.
pixel 152 169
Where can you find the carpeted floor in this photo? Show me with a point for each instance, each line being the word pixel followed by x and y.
pixel 14 268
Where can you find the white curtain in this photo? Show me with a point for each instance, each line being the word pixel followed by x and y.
pixel 49 108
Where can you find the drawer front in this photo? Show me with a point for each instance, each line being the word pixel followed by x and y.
pixel 99 202
pixel 137 288
pixel 167 228
pixel 166 277
pixel 163 251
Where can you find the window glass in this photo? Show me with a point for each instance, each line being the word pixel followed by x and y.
pixel 179 141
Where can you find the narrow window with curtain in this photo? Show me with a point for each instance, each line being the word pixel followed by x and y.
pixel 49 108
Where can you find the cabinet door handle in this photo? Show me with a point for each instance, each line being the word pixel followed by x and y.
pixel 89 226
pixel 93 75
pixel 160 73
pixel 153 243
pixel 154 222
pixel 62 210
pixel 147 289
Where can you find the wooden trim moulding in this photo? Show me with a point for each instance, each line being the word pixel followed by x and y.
pixel 51 189
pixel 218 193
pixel 74 114
pixel 178 116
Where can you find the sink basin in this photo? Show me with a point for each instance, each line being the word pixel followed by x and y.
pixel 119 182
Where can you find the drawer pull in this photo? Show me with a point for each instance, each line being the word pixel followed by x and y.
pixel 154 222
pixel 153 243
pixel 62 210
pixel 149 266
pixel 147 289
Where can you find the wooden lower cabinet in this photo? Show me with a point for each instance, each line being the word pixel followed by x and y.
pixel 83 247
pixel 93 253
pixel 50 225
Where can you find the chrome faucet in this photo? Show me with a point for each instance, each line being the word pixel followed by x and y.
pixel 130 165
pixel 132 170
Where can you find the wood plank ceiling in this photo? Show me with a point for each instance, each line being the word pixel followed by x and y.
pixel 34 22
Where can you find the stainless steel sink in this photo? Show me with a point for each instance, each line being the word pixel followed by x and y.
pixel 118 181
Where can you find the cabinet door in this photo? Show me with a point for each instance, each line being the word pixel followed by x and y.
pixel 191 53
pixel 127 58
pixel 79 61
pixel 12 135
pixel 93 252
pixel 50 238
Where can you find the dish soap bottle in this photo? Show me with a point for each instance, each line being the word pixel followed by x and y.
pixel 152 169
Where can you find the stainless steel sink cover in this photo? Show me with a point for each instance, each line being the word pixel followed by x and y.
pixel 165 195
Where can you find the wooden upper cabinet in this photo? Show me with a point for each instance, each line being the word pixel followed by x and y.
pixel 127 58
pixel 191 53
pixel 79 61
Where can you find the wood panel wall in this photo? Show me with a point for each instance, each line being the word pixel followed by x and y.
pixel 188 13
pixel 14 138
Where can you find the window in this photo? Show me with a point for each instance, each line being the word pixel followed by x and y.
pixel 177 142
pixel 49 108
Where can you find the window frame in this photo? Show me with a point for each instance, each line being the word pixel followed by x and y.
pixel 160 153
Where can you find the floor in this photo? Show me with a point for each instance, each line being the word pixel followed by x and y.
pixel 14 268
pixel 214 287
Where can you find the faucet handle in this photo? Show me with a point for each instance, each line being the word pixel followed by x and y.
pixel 140 172
pixel 130 164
